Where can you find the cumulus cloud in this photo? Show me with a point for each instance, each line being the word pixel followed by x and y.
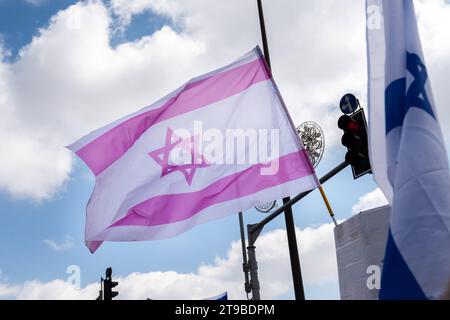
pixel 69 80
pixel 5 289
pixel 125 9
pixel 370 200
pixel 318 259
pixel 66 244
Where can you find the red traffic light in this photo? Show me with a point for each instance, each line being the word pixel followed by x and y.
pixel 348 124
pixel 353 126
pixel 355 140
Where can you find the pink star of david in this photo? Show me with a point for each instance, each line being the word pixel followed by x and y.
pixel 161 156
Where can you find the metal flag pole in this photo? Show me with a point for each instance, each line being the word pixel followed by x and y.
pixel 252 264
pixel 245 266
pixel 290 226
pixel 262 27
pixel 327 204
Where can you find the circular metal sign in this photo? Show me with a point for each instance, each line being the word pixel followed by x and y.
pixel 266 207
pixel 313 140
pixel 348 104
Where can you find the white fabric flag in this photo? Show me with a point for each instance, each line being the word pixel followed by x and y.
pixel 220 144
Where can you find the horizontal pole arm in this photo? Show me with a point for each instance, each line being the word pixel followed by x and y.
pixel 297 198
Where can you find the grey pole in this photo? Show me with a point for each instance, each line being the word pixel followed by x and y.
pixel 245 266
pixel 252 264
pixel 253 273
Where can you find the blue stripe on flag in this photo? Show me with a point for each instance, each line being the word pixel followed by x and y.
pixel 395 104
pixel 222 296
pixel 397 281
pixel 398 101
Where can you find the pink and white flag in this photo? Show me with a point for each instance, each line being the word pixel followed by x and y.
pixel 220 144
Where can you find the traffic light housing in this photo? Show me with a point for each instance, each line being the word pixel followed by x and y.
pixel 108 285
pixel 355 139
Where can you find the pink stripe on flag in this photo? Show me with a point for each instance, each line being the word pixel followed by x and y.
pixel 103 151
pixel 170 208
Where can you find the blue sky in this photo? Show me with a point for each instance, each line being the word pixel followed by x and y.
pixel 27 222
pixel 20 21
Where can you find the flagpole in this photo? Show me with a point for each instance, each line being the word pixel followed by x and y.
pixel 262 27
pixel 289 218
pixel 327 204
pixel 245 265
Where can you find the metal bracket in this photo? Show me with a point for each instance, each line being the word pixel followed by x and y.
pixel 253 233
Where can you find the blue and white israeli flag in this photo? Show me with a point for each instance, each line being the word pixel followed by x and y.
pixel 408 155
pixel 222 296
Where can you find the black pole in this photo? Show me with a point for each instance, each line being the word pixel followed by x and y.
pixel 290 227
pixel 263 33
pixel 293 253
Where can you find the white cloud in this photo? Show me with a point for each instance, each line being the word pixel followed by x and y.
pixel 69 80
pixel 318 259
pixel 7 291
pixel 125 9
pixel 55 290
pixel 66 244
pixel 370 200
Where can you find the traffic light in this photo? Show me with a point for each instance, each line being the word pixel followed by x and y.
pixel 355 139
pixel 108 285
pixel 100 293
